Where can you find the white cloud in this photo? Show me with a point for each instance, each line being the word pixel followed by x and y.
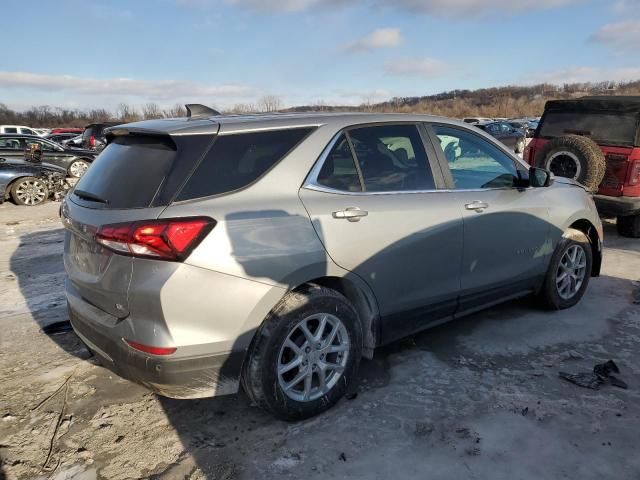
pixel 622 35
pixel 585 74
pixel 155 90
pixel 467 8
pixel 381 38
pixel 451 8
pixel 416 67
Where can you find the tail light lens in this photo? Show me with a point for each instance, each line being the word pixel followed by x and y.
pixel 167 239
pixel 634 177
pixel 92 141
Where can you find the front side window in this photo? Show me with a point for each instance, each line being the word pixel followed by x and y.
pixel 46 147
pixel 27 131
pixel 473 161
pixel 391 158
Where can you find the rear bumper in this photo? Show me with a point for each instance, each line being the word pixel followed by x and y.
pixel 617 206
pixel 176 377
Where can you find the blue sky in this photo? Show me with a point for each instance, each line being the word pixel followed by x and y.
pixel 84 53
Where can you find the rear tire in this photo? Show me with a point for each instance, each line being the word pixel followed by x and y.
pixel 569 271
pixel 29 191
pixel 268 378
pixel 629 226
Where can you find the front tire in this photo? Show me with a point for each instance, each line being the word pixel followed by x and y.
pixel 629 226
pixel 29 191
pixel 569 271
pixel 305 355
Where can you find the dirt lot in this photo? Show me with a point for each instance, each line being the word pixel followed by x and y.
pixel 478 398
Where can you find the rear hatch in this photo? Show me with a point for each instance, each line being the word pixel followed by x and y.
pixel 613 123
pixel 133 179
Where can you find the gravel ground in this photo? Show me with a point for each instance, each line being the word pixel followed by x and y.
pixel 477 398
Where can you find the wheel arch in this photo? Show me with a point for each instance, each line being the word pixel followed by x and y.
pixel 362 299
pixel 586 227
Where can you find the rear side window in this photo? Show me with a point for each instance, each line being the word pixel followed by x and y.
pixel 10 130
pixel 339 169
pixel 129 172
pixel 235 161
pixel 603 128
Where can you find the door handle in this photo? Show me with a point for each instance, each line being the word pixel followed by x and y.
pixel 353 214
pixel 476 205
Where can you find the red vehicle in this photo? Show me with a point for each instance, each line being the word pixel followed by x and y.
pixel 66 130
pixel 596 141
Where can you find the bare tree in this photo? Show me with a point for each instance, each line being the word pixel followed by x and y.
pixel 175 112
pixel 270 103
pixel 241 108
pixel 151 110
pixel 127 113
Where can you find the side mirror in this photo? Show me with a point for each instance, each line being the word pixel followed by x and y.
pixel 539 177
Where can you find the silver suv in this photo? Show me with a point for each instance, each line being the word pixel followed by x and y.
pixel 274 251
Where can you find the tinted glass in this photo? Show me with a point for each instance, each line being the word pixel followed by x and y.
pixel 10 130
pixel 235 161
pixel 27 131
pixel 46 146
pixel 605 129
pixel 130 171
pixel 339 169
pixel 474 162
pixel 392 158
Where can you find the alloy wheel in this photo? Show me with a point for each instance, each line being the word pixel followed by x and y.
pixel 31 192
pixel 571 272
pixel 564 164
pixel 313 357
pixel 78 168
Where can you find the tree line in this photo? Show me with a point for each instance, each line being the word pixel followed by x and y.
pixel 510 101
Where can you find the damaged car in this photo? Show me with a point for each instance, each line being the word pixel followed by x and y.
pixel 272 252
pixel 30 182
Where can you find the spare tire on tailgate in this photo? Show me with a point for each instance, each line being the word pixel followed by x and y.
pixel 575 157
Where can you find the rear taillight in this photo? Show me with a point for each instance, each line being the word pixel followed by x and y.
pixel 92 141
pixel 634 176
pixel 166 239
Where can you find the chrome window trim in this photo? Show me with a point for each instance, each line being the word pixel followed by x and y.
pixel 321 188
pixel 311 182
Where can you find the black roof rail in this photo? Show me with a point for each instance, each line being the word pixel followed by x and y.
pixel 196 110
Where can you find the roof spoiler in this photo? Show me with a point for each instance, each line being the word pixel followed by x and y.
pixel 196 110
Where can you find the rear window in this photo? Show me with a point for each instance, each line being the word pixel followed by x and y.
pixel 235 161
pixel 128 173
pixel 603 128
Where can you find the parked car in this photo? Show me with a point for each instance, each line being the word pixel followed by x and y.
pixel 29 183
pixel 596 141
pixel 514 138
pixel 21 129
pixel 74 161
pixel 474 120
pixel 61 138
pixel 93 137
pixel 285 250
pixel 528 127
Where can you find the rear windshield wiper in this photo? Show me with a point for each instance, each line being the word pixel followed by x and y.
pixel 90 196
